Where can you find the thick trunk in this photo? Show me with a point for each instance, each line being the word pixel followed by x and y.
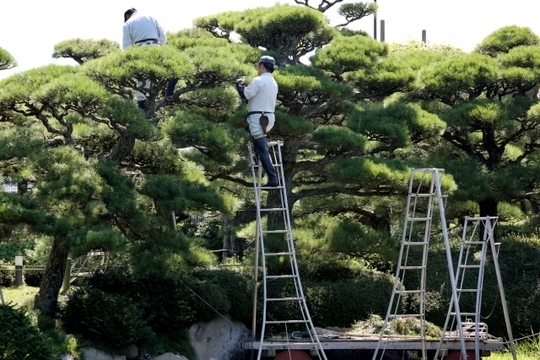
pixel 488 207
pixel 289 152
pixel 47 297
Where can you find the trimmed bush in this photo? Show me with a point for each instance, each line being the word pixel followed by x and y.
pixel 237 288
pixel 344 302
pixel 111 320
pixel 19 339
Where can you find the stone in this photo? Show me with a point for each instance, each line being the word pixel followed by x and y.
pixel 94 354
pixel 217 339
pixel 132 351
pixel 170 356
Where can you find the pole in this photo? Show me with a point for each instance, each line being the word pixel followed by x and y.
pixel 424 36
pixel 375 23
pixel 18 270
pixel 67 277
pixel 382 31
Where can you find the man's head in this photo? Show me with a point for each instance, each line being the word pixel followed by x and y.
pixel 266 64
pixel 128 13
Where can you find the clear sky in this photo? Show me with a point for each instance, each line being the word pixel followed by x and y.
pixel 29 29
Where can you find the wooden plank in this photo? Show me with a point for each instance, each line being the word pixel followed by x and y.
pixel 371 344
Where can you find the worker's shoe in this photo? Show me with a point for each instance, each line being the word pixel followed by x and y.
pixel 272 182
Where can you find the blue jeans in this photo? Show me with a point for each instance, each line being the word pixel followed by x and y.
pixel 261 148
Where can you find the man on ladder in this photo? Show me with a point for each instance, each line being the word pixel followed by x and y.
pixel 144 30
pixel 261 94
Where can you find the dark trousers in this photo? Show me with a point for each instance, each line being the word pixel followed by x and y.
pixel 261 147
pixel 170 92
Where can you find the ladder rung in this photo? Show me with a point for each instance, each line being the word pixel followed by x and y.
pixel 288 322
pixel 404 315
pixel 467 290
pixel 271 187
pixel 475 242
pixel 409 291
pixel 469 266
pixel 275 231
pixel 421 195
pixel 463 313
pixel 416 243
pixel 281 276
pixel 412 267
pixel 284 299
pixel 278 254
pixel 273 209
pixel 418 219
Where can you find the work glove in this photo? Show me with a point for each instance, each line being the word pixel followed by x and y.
pixel 240 83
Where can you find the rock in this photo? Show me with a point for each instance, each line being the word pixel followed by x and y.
pixel 170 356
pixel 94 354
pixel 66 357
pixel 217 339
pixel 132 351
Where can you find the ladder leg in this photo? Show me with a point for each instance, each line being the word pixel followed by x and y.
pixel 282 231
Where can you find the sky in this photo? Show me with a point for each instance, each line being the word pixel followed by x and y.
pixel 29 29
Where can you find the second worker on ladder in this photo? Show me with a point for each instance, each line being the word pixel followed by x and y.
pixel 261 94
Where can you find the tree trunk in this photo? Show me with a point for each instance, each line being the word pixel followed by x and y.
pixel 289 152
pixel 47 297
pixel 488 207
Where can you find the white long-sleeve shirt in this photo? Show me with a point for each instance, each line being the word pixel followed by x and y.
pixel 142 27
pixel 262 93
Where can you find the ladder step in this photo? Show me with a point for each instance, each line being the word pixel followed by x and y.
pixel 273 209
pixel 279 254
pixel 271 187
pixel 275 231
pixel 284 299
pixel 412 243
pixel 409 291
pixel 418 219
pixel 412 267
pixel 467 290
pixel 288 322
pixel 469 266
pixel 463 314
pixel 281 276
pixel 404 316
pixel 421 195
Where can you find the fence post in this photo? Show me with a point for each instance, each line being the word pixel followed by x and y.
pixel 67 277
pixel 18 270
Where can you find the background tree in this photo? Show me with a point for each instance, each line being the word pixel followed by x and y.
pixel 6 60
pixel 103 175
pixel 488 103
pixel 330 151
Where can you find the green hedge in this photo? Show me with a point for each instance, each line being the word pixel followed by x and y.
pixel 518 261
pixel 118 308
pixel 19 339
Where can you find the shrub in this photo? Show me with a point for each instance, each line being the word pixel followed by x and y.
pixel 19 339
pixel 112 320
pixel 237 288
pixel 7 278
pixel 342 303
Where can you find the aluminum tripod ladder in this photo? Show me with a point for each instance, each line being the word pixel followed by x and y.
pixel 281 236
pixel 472 258
pixel 424 195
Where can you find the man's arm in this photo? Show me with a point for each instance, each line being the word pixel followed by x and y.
pixel 162 38
pixel 126 38
pixel 240 86
pixel 253 88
